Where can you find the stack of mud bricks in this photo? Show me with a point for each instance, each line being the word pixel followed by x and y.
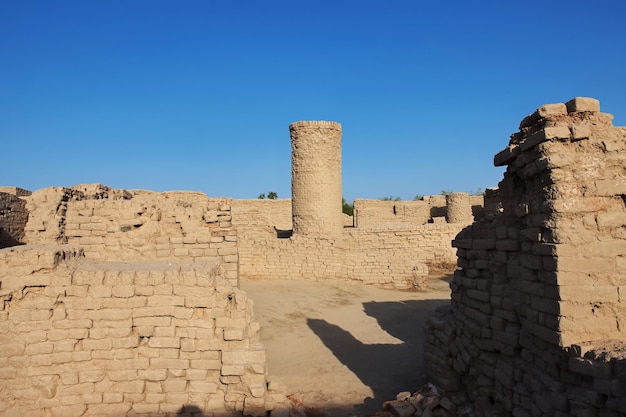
pixel 316 178
pixel 13 215
pixel 536 324
pixel 113 341
pixel 121 225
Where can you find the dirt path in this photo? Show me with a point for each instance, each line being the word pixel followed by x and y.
pixel 344 347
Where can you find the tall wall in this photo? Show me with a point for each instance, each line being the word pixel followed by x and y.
pixel 536 325
pixel 135 225
pixel 316 178
pixel 80 337
pixel 13 216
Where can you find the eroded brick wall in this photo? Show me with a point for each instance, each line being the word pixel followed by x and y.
pixel 258 214
pixel 112 224
pixel 431 209
pixel 536 324
pixel 81 337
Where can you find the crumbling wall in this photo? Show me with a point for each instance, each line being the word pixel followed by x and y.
pixel 13 216
pixel 260 214
pixel 115 224
pixel 82 337
pixel 536 324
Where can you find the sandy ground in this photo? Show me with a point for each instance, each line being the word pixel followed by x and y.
pixel 344 347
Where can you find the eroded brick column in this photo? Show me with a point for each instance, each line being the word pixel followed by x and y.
pixel 458 208
pixel 316 178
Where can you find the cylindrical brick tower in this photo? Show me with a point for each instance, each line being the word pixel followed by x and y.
pixel 458 208
pixel 316 178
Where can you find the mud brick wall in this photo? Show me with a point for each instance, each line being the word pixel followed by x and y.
pixel 81 337
pixel 395 257
pixel 536 324
pixel 13 216
pixel 259 214
pixel 372 213
pixel 375 213
pixel 392 253
pixel 126 225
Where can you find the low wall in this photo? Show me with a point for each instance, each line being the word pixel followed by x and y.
pixel 80 337
pixel 376 213
pixel 389 250
pixel 536 323
pixel 390 257
pixel 372 213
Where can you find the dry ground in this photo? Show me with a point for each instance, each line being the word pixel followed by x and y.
pixel 344 347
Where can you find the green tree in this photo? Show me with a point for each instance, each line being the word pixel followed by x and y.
pixel 272 195
pixel 262 196
pixel 347 208
pixel 418 197
pixel 390 198
pixel 446 192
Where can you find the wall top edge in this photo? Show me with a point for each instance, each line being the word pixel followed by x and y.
pixel 320 123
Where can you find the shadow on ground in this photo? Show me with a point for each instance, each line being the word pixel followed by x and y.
pixel 386 368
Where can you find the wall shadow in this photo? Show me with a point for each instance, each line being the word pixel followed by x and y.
pixel 386 368
pixel 7 240
pixel 190 411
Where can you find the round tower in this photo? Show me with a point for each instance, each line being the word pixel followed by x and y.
pixel 458 208
pixel 316 178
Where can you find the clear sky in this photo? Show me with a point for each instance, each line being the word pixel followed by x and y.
pixel 198 95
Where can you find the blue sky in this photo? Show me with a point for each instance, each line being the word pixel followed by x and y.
pixel 198 95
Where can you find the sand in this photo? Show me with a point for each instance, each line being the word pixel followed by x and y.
pixel 344 347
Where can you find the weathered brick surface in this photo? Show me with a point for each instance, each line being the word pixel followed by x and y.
pixel 387 248
pixel 316 178
pixel 84 337
pixel 536 298
pixel 125 225
pixel 392 256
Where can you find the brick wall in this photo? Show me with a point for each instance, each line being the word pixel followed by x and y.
pixel 390 250
pixel 131 225
pixel 396 257
pixel 431 209
pixel 536 324
pixel 254 214
pixel 81 337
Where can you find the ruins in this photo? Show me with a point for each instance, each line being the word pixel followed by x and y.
pixel 127 301
pixel 536 323
pixel 118 302
pixel 387 243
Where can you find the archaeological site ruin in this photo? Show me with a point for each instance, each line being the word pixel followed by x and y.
pixel 127 302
